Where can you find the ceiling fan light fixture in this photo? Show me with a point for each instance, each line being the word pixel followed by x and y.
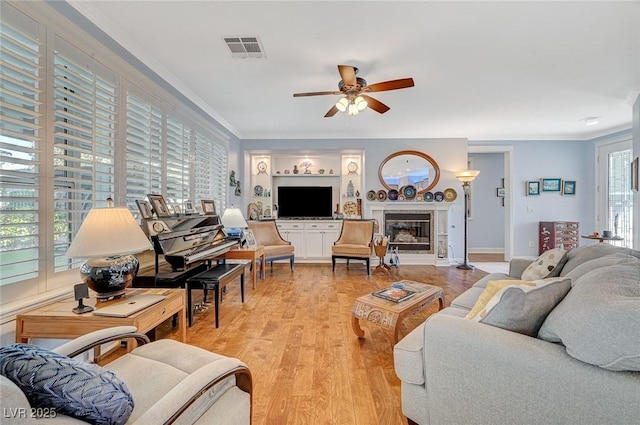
pixel 353 109
pixel 360 103
pixel 342 104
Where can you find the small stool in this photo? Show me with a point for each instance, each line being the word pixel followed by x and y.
pixel 215 278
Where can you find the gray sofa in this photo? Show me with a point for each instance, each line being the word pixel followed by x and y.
pixel 580 367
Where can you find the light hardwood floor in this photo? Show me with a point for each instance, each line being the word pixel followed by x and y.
pixel 294 333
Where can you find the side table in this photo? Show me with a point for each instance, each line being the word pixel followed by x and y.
pixel 390 314
pixel 251 253
pixel 56 320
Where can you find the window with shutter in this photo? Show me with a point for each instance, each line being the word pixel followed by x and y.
pixel 20 144
pixel 83 144
pixel 178 139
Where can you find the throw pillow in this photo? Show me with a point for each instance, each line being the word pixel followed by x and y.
pixel 545 264
pixel 71 387
pixel 493 286
pixel 523 308
pixel 599 319
pixel 617 258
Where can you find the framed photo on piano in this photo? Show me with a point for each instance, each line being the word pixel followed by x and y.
pixel 249 238
pixel 159 205
pixel 145 209
pixel 208 206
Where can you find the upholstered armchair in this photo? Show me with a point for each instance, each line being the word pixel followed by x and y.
pixel 161 382
pixel 355 242
pixel 275 247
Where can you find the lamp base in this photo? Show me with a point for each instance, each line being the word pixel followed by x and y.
pixel 111 276
pixel 466 266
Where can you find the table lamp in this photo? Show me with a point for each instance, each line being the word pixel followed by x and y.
pixel 466 177
pixel 233 222
pixel 107 238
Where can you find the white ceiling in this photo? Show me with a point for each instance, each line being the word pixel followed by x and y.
pixel 482 70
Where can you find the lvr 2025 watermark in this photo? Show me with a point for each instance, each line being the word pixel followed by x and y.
pixel 32 412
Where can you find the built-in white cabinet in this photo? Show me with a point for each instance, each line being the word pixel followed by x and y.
pixel 261 189
pixel 320 236
pixel 312 239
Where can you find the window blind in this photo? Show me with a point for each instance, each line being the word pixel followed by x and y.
pixel 20 140
pixel 83 144
pixel 178 139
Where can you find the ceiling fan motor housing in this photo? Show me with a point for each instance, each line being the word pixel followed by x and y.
pixel 361 83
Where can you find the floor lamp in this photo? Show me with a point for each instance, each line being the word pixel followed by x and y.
pixel 466 177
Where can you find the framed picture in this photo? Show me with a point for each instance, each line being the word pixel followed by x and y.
pixel 635 170
pixel 159 205
pixel 188 207
pixel 249 238
pixel 208 206
pixel 501 192
pixel 177 209
pixel 533 188
pixel 551 185
pixel 145 209
pixel 569 187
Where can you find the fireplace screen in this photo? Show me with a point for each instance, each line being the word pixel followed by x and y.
pixel 409 231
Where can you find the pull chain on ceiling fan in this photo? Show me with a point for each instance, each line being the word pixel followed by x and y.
pixel 354 88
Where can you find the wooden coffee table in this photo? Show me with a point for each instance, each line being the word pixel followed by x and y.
pixel 390 314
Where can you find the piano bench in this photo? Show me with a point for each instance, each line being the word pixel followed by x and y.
pixel 216 278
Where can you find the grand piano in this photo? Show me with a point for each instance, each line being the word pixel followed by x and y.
pixel 183 246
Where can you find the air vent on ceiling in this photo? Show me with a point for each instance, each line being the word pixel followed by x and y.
pixel 245 47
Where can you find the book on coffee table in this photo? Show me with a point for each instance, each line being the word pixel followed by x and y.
pixel 394 294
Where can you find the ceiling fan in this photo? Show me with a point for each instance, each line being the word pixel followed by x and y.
pixel 354 88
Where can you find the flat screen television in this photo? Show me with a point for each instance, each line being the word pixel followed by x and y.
pixel 305 202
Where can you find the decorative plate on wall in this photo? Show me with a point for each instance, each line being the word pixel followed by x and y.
pixel 350 208
pixel 257 190
pixel 371 195
pixel 392 195
pixel 438 196
pixel 409 191
pixel 450 195
pixel 428 197
pixel 382 195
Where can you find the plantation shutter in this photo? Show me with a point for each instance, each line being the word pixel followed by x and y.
pixel 219 173
pixel 20 144
pixel 84 142
pixel 144 150
pixel 178 166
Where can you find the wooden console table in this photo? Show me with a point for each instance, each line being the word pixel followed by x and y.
pixel 56 320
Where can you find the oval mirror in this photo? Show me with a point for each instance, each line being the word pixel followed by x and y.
pixel 409 168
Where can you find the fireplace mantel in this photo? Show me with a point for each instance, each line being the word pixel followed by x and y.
pixel 440 236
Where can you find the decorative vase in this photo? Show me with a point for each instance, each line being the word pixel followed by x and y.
pixel 442 251
pixel 295 169
pixel 111 276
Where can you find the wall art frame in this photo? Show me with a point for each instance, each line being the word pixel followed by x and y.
pixel 533 188
pixel 159 205
pixel 568 187
pixel 551 185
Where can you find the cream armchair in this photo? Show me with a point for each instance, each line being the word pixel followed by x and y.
pixel 275 247
pixel 355 242
pixel 168 381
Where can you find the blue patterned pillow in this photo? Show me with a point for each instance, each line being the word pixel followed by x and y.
pixel 71 387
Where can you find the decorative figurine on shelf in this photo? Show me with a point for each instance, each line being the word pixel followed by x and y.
pixel 287 171
pixel 321 171
pixel 232 178
pixel 306 164
pixel 331 171
pixel 442 252
pixel 295 169
pixel 238 191
pixel 350 188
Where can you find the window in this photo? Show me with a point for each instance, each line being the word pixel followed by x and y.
pixel 74 132
pixel 615 196
pixel 20 144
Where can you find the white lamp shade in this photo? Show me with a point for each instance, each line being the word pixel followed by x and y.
pixel 467 175
pixel 342 104
pixel 106 232
pixel 233 219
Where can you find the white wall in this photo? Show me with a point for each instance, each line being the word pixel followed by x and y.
pixel 486 227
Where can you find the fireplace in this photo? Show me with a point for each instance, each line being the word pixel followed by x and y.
pixel 410 231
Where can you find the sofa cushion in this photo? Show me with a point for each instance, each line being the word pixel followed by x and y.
pixel 523 308
pixel 585 253
pixel 545 264
pixel 615 258
pixel 468 298
pixel 487 294
pixel 71 387
pixel 599 319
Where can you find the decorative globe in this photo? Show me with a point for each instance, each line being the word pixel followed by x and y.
pixel 111 276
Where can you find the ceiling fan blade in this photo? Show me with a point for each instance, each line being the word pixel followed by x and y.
pixel 375 104
pixel 316 93
pixel 348 74
pixel 331 112
pixel 403 83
